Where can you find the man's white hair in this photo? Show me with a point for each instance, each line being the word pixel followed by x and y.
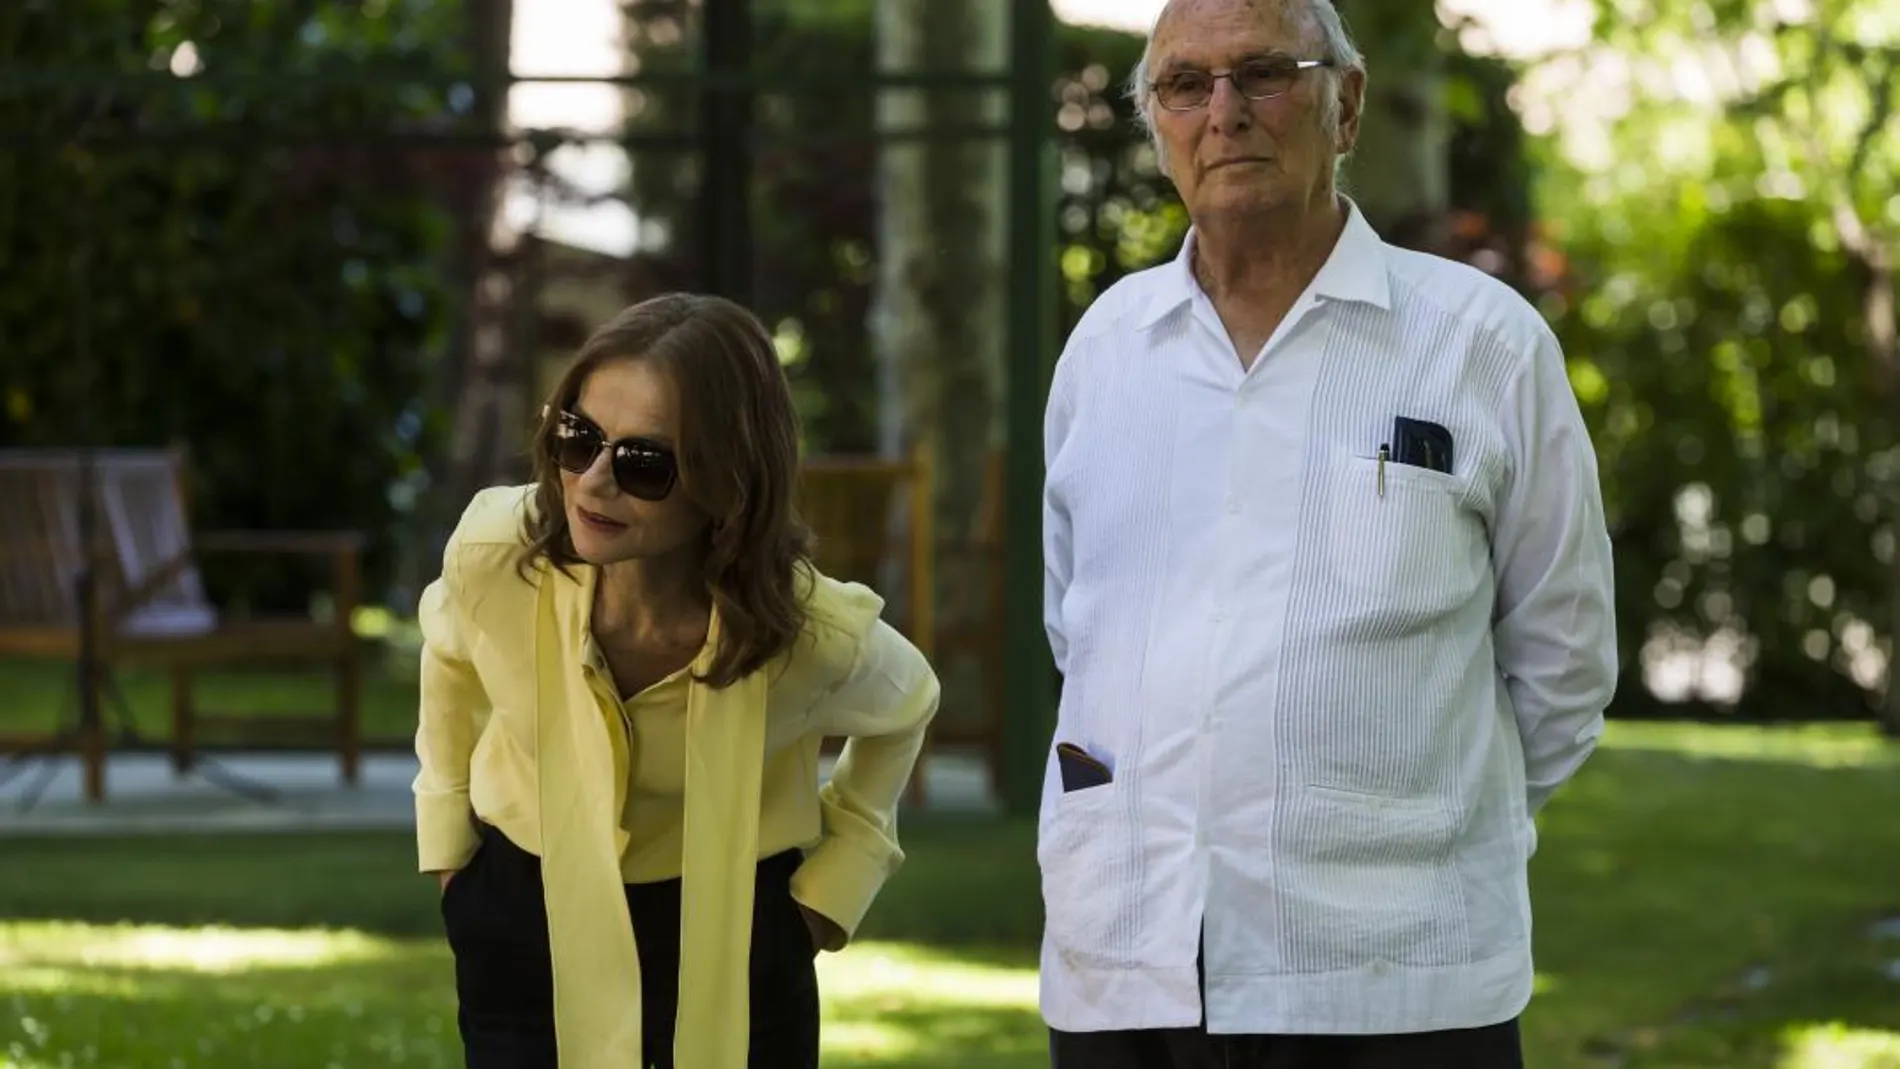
pixel 1337 46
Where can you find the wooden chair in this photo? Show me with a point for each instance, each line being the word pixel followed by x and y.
pixel 149 603
pixel 981 639
pixel 873 516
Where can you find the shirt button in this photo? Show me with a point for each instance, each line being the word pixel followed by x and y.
pixel 1233 505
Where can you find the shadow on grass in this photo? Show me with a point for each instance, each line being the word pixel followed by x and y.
pixel 359 881
pixel 967 882
pixel 1704 893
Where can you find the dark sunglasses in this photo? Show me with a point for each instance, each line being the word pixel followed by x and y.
pixel 642 467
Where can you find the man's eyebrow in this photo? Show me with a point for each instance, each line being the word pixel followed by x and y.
pixel 1175 65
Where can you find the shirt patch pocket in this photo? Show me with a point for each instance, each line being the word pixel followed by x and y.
pixel 1366 879
pixel 1401 534
pixel 1091 879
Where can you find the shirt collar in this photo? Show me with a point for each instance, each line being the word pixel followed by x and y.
pixel 1355 271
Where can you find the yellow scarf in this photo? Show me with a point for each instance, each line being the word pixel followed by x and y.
pixel 590 935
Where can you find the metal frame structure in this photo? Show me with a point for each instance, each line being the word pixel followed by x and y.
pixel 726 84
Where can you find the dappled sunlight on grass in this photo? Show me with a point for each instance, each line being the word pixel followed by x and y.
pixel 209 950
pixel 1814 745
pixel 135 997
pixel 900 1004
pixel 1837 1046
pixel 879 972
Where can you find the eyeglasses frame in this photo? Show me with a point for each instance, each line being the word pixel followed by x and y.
pixel 1300 66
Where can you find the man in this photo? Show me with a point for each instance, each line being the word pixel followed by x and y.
pixel 1329 586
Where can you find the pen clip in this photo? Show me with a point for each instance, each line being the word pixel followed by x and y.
pixel 1385 452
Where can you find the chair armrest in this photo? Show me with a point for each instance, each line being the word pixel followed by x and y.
pixel 344 548
pixel 307 543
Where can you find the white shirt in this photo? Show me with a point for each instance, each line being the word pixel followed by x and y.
pixel 1332 699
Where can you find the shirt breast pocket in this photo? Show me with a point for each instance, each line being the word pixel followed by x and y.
pixel 1403 536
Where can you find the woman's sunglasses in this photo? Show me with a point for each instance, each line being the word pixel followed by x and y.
pixel 642 468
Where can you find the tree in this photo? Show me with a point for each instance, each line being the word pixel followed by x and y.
pixel 261 265
pixel 937 319
pixel 1732 319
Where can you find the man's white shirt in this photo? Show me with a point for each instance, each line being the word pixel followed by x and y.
pixel 1333 691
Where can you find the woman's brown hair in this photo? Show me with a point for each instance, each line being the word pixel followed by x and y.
pixel 738 461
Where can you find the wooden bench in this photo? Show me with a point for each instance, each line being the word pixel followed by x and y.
pixel 873 521
pixel 149 599
pixel 979 639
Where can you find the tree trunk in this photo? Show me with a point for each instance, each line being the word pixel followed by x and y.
pixel 938 317
pixel 1400 174
pixel 1882 326
pixel 465 384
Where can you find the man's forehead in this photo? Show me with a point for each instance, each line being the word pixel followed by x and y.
pixel 1202 31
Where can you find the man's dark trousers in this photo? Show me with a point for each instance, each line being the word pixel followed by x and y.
pixel 1494 1047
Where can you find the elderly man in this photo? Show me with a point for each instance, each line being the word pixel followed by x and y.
pixel 1329 587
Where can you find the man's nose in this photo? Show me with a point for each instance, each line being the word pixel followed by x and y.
pixel 1227 109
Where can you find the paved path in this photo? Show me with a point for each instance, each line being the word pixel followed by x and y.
pixel 144 797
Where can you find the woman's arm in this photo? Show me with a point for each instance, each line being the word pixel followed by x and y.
pixel 454 707
pixel 882 708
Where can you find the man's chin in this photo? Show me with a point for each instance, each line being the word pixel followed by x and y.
pixel 1237 201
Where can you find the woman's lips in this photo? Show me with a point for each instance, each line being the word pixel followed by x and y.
pixel 600 523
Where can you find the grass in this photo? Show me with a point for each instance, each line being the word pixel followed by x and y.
pixel 1708 898
pixel 37 696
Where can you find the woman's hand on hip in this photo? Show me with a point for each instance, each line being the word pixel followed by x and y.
pixel 825 933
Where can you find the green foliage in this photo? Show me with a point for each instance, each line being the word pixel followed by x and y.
pixel 1716 316
pixel 201 198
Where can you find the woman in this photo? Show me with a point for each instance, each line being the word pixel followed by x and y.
pixel 627 671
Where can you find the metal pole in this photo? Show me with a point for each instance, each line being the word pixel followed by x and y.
pixel 725 131
pixel 88 673
pixel 1029 676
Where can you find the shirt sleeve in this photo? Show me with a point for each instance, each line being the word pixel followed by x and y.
pixel 883 708
pixel 453 709
pixel 1057 557
pixel 1555 626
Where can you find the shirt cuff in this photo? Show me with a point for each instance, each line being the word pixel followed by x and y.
pixel 838 881
pixel 445 831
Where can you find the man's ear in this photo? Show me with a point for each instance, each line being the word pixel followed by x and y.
pixel 1352 104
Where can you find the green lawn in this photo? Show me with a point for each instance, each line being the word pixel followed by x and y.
pixel 34 693
pixel 1707 899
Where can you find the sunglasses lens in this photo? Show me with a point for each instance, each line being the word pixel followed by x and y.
pixel 644 472
pixel 575 447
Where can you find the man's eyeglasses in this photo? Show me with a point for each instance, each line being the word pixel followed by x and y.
pixel 642 467
pixel 1255 79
